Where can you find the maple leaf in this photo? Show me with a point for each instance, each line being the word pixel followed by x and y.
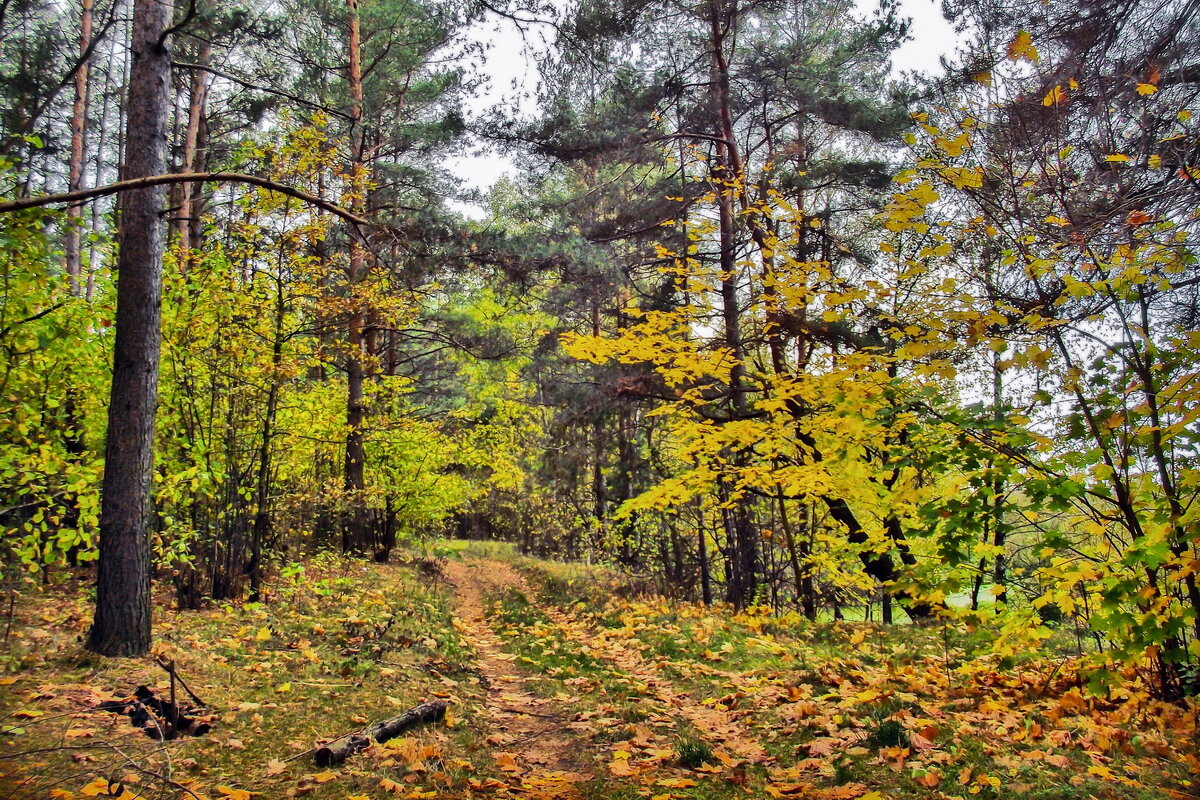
pixel 234 794
pixel 822 747
pixel 1021 47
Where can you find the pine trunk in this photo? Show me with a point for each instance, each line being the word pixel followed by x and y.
pixel 71 249
pixel 122 621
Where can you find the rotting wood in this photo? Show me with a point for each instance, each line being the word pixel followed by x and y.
pixel 342 748
pixel 161 720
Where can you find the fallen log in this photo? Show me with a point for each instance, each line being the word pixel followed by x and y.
pixel 342 748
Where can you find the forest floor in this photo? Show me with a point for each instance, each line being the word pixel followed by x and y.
pixel 560 687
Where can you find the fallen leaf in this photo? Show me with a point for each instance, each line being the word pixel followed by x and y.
pixel 621 768
pixel 234 794
pixel 508 763
pixel 930 779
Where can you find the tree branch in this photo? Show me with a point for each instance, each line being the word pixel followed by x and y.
pixel 190 177
pixel 260 88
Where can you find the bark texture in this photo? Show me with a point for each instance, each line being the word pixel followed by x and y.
pixel 121 626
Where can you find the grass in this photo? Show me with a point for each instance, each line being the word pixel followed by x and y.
pixel 338 644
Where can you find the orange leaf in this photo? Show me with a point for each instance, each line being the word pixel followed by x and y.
pixel 930 779
pixel 507 763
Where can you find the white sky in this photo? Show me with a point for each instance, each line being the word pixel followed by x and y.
pixel 510 80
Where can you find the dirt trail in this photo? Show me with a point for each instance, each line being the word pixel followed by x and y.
pixel 532 739
pixel 536 731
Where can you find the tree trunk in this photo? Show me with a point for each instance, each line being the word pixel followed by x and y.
pixel 743 542
pixel 121 626
pixel 71 250
pixel 354 531
pixel 702 548
pixel 187 222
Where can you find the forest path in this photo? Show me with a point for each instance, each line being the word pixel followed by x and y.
pixel 540 735
pixel 532 737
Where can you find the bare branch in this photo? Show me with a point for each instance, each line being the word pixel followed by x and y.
pixel 190 177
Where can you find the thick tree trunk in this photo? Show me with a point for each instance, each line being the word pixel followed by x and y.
pixel 121 626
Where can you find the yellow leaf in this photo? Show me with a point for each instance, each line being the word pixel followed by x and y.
pixel 1154 162
pixel 284 687
pixel 1116 158
pixel 620 767
pixel 263 635
pixel 984 77
pixel 1055 97
pixel 234 794
pixel 324 777
pixel 1146 89
pixel 97 787
pixel 1021 47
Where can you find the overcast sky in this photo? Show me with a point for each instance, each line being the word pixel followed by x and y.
pixel 510 79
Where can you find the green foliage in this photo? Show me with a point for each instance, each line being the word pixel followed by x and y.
pixel 53 383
